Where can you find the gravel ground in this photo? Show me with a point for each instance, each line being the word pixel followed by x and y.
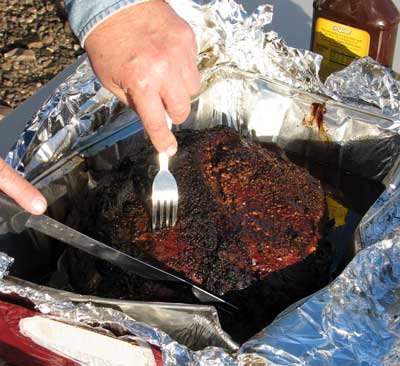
pixel 36 43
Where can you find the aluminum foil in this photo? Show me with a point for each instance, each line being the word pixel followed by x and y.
pixel 5 262
pixel 194 326
pixel 366 83
pixel 76 109
pixel 232 46
pixel 254 82
pixel 230 40
pixel 57 304
pixel 230 43
pixel 355 321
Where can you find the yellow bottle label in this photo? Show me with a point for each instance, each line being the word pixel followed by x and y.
pixel 339 44
pixel 337 212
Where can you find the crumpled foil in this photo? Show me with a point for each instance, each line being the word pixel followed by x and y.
pixel 230 40
pixel 355 321
pixel 194 326
pixel 5 263
pixel 76 109
pixel 118 323
pixel 350 122
pixel 366 83
pixel 232 45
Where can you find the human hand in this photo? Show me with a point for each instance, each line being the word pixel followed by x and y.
pixel 146 55
pixel 16 187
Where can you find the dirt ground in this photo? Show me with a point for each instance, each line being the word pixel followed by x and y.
pixel 36 43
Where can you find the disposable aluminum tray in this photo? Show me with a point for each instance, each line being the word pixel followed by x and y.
pixel 355 319
pixel 304 125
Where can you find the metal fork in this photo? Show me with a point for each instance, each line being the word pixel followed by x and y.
pixel 165 193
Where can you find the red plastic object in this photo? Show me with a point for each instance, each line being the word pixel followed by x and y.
pixel 19 350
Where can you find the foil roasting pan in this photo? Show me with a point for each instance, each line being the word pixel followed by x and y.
pixel 254 82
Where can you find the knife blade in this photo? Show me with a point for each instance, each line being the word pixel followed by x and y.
pixel 19 219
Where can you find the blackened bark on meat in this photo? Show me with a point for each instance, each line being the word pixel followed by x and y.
pixel 249 226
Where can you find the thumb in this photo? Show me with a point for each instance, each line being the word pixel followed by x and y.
pixel 16 187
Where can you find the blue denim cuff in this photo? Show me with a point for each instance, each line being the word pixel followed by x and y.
pixel 85 14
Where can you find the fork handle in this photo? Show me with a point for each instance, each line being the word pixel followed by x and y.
pixel 169 121
pixel 163 157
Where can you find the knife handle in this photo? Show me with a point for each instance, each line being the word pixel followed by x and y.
pixel 13 214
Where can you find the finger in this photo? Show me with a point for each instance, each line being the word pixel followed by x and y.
pixel 152 114
pixel 176 98
pixel 14 186
pixel 169 144
pixel 191 77
pixel 123 97
pixel 186 53
pixel 190 43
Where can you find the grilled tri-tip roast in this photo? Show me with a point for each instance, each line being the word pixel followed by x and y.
pixel 249 228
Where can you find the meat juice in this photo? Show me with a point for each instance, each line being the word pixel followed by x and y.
pixel 349 196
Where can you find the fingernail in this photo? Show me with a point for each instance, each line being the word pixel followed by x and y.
pixel 39 206
pixel 172 150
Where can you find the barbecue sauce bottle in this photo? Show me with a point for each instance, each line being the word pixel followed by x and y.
pixel 347 29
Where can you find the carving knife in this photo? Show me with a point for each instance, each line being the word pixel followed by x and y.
pixel 18 220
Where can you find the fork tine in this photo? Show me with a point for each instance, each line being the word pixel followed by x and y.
pixel 174 211
pixel 154 215
pixel 167 204
pixel 162 203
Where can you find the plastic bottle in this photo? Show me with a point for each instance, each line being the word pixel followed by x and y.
pixel 347 29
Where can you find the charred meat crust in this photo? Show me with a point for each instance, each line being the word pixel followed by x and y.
pixel 244 213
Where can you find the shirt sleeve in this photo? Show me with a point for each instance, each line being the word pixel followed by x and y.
pixel 84 15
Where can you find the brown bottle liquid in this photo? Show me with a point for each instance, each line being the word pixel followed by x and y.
pixel 347 29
